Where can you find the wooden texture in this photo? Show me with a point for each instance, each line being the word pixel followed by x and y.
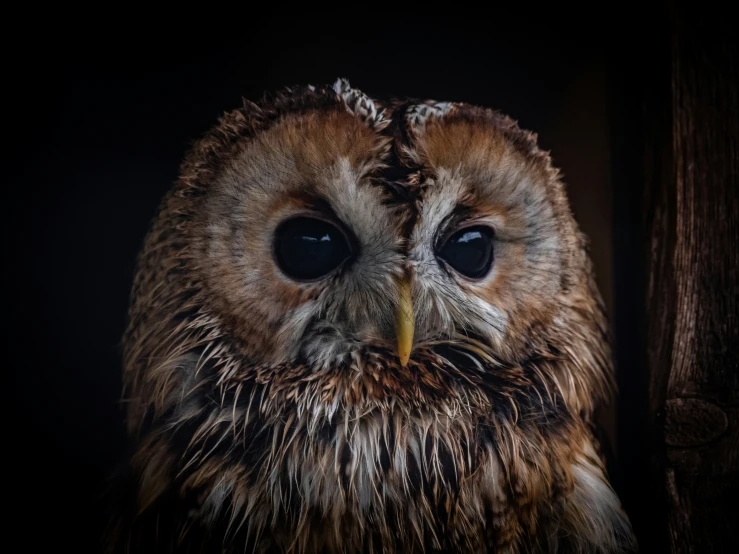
pixel 692 289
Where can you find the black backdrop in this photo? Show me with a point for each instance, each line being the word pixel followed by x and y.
pixel 103 115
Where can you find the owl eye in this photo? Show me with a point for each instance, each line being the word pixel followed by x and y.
pixel 307 248
pixel 469 251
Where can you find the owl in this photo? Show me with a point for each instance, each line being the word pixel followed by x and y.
pixel 365 327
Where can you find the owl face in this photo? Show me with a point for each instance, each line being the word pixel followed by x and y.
pixel 358 327
pixel 312 248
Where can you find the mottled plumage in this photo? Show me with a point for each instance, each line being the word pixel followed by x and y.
pixel 272 415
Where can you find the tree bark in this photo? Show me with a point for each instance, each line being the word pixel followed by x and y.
pixel 692 289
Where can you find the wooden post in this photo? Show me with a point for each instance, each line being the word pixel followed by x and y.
pixel 686 462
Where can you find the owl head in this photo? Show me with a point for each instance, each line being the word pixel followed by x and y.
pixel 323 229
pixel 402 266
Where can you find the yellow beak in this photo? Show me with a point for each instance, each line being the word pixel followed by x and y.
pixel 405 321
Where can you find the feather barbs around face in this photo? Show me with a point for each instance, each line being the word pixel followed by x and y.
pixel 323 152
pixel 389 383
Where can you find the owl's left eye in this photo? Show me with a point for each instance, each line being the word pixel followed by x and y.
pixel 308 248
pixel 469 251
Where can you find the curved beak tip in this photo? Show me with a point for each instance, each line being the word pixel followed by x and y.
pixel 404 355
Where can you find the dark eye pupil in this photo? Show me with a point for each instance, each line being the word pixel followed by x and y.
pixel 308 248
pixel 470 251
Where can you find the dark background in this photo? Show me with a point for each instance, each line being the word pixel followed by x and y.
pixel 104 115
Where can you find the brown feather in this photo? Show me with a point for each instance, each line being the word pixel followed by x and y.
pixel 259 428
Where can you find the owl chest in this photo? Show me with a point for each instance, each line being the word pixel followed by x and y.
pixel 365 489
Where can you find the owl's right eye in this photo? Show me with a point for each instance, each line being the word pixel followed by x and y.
pixel 308 248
